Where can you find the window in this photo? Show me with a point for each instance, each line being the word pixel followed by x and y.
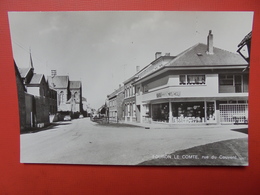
pixel 195 79
pixel 130 91
pixel 62 100
pixel 226 79
pixel 182 79
pixel 145 88
pixel 192 79
pixel 134 112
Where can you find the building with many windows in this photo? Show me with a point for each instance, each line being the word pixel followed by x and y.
pixel 203 84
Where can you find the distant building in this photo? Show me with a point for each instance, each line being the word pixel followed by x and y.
pixel 69 94
pixel 87 110
pixel 115 104
pixel 61 85
pixel 76 96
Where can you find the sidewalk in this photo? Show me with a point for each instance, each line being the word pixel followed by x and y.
pixel 158 125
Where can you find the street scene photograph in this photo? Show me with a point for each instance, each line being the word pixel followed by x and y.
pixel 138 88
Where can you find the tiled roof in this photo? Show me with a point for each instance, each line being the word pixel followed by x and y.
pixel 36 79
pixel 197 56
pixel 116 92
pixel 58 81
pixel 75 84
pixel 24 71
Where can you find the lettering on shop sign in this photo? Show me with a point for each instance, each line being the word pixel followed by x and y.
pixel 168 94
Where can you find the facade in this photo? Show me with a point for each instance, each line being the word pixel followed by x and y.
pixel 36 102
pixel 21 98
pixel 76 96
pixel 115 104
pixel 131 109
pixel 203 84
pixel 61 85
pixel 44 99
pixel 69 94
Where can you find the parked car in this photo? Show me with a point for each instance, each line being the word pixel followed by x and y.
pixel 81 116
pixel 67 118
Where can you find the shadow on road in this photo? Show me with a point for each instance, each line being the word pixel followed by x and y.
pixel 241 130
pixel 49 127
pixel 224 153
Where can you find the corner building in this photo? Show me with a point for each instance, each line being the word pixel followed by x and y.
pixel 203 84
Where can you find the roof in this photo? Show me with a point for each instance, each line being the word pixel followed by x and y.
pixel 58 81
pixel 142 71
pixel 246 39
pixel 197 56
pixel 75 84
pixel 37 78
pixel 116 92
pixel 24 71
pixel 18 74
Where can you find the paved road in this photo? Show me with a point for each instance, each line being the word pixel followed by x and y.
pixel 82 141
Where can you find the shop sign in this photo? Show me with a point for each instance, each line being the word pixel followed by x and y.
pixel 168 94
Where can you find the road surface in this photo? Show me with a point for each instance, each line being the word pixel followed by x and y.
pixel 82 141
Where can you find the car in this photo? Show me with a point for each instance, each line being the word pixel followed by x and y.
pixel 67 118
pixel 81 116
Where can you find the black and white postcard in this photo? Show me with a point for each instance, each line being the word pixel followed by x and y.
pixel 156 88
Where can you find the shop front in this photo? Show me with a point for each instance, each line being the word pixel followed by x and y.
pixel 183 112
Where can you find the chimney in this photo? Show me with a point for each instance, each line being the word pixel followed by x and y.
pixel 137 68
pixel 210 43
pixel 53 73
pixel 158 54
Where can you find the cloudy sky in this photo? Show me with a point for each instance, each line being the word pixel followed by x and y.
pixel 102 49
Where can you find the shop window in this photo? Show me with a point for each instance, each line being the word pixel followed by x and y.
pixel 188 112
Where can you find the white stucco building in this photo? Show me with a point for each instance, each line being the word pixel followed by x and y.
pixel 203 84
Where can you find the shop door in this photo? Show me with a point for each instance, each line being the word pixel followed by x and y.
pixel 210 112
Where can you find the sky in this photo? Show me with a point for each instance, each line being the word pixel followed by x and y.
pixel 103 48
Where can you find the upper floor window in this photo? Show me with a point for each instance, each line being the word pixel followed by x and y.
pixel 226 79
pixel 62 97
pixel 192 79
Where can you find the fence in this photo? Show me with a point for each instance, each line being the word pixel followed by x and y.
pixel 233 113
